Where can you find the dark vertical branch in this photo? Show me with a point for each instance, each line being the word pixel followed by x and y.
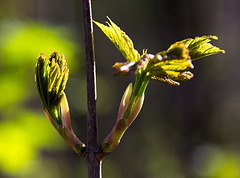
pixel 92 161
pixel 91 73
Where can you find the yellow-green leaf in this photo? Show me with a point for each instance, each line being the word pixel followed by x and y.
pixel 120 40
pixel 172 66
pixel 199 47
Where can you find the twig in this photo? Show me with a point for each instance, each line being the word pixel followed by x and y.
pixel 93 161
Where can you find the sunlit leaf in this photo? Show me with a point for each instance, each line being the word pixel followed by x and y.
pixel 172 66
pixel 120 40
pixel 199 47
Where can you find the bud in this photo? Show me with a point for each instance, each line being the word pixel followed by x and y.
pixel 135 110
pixel 51 76
pixel 124 102
pixel 114 137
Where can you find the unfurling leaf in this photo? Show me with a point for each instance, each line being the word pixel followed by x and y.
pixel 51 77
pixel 199 47
pixel 120 40
pixel 172 66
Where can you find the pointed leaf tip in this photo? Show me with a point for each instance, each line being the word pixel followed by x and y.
pixel 199 47
pixel 120 40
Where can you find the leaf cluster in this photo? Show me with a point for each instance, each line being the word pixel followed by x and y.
pixel 171 66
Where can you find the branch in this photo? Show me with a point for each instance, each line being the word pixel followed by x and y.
pixel 92 161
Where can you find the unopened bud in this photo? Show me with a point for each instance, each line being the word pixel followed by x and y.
pixel 124 102
pixel 135 110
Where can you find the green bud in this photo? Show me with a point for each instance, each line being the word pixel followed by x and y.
pixel 51 76
pixel 135 110
pixel 114 137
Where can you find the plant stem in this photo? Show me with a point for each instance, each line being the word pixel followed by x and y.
pixel 93 161
pixel 139 83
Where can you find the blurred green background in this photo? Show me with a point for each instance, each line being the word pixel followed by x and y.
pixel 191 131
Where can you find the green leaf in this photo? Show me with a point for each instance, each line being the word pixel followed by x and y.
pixel 120 40
pixel 172 66
pixel 199 47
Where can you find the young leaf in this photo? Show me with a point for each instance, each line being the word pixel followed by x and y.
pixel 199 47
pixel 120 40
pixel 172 66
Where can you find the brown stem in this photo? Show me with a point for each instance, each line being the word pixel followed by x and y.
pixel 93 162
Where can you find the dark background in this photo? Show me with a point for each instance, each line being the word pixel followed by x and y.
pixel 190 131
